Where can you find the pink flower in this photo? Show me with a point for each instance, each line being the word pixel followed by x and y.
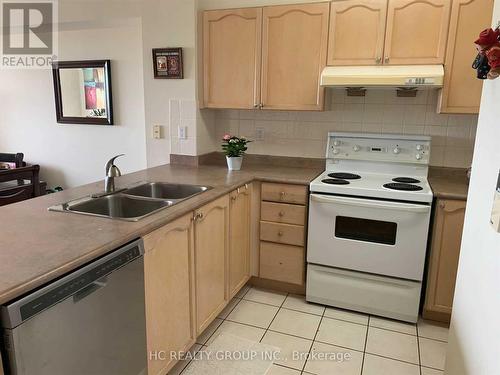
pixel 226 137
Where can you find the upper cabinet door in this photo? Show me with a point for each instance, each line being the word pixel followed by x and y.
pixel 294 47
pixel 462 90
pixel 232 58
pixel 416 31
pixel 357 30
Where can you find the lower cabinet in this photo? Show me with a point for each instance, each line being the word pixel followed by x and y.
pixel 211 245
pixel 169 283
pixel 239 238
pixel 444 255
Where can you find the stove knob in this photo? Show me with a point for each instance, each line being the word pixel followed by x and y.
pixel 418 156
pixel 397 150
pixel 336 143
pixel 356 148
pixel 336 151
pixel 420 147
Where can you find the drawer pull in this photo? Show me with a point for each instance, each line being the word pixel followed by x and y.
pixel 282 195
pixel 280 233
pixel 281 214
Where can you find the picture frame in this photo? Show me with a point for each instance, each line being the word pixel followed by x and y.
pixel 167 63
pixel 87 86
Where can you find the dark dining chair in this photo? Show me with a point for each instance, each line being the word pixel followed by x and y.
pixel 16 192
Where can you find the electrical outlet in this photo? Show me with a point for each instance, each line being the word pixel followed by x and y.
pixel 183 132
pixel 259 134
pixel 157 132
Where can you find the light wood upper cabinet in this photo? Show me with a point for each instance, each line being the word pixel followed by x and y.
pixel 462 90
pixel 169 283
pixel 294 47
pixel 231 58
pixel 416 31
pixel 211 232
pixel 443 263
pixel 357 31
pixel 239 238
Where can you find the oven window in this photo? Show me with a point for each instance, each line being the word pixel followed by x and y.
pixel 366 230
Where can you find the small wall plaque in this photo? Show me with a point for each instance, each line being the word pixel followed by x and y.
pixel 167 63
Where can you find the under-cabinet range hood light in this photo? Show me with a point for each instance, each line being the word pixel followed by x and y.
pixel 384 76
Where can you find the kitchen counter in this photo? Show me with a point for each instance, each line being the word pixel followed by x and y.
pixel 37 245
pixel 448 183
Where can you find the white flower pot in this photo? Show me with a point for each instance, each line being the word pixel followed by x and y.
pixel 234 163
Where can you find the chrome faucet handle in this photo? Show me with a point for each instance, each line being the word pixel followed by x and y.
pixel 111 169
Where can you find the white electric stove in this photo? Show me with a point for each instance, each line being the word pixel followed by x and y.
pixel 369 216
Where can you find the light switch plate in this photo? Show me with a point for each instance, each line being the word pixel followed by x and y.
pixel 259 133
pixel 495 213
pixel 157 132
pixel 183 132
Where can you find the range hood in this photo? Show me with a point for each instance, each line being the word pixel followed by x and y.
pixel 388 76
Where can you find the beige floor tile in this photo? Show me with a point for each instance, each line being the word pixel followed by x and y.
pixel 240 330
pixel 296 302
pixel 374 365
pixel 329 359
pixel 392 344
pixel 289 345
pixel 393 325
pixel 346 315
pixel 181 365
pixel 270 297
pixel 432 353
pixel 296 323
pixel 431 371
pixel 432 330
pixel 341 333
pixel 280 370
pixel 253 313
pixel 243 291
pixel 205 335
pixel 230 306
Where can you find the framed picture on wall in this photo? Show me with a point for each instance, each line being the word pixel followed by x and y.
pixel 167 63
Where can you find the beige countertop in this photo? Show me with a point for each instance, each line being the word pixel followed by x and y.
pixel 448 183
pixel 37 245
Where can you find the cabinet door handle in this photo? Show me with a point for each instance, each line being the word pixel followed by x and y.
pixel 386 60
pixel 256 106
pixel 442 205
pixel 378 60
pixel 261 105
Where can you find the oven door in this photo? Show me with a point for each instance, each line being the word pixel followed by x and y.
pixel 368 235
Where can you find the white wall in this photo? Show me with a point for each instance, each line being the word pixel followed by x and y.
pixel 305 133
pixel 474 343
pixel 71 155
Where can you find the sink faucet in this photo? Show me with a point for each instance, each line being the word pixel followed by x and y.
pixel 112 171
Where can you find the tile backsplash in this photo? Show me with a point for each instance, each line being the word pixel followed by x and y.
pixel 303 134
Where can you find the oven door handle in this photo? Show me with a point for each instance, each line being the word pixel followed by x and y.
pixel 408 207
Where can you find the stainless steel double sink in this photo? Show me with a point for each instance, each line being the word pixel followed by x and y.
pixel 134 203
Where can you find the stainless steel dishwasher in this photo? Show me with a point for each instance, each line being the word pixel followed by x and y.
pixel 90 322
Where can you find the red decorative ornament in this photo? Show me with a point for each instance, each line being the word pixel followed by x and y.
pixel 488 45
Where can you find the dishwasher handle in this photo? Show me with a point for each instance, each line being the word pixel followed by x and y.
pixel 89 289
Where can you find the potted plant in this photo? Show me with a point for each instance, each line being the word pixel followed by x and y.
pixel 234 148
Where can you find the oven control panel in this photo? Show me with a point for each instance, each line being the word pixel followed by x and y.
pixel 396 148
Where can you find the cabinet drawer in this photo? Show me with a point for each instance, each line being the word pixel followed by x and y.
pixel 282 263
pixel 296 194
pixel 283 213
pixel 282 233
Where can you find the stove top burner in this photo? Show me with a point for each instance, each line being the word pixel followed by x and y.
pixel 345 176
pixel 402 186
pixel 406 180
pixel 335 181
